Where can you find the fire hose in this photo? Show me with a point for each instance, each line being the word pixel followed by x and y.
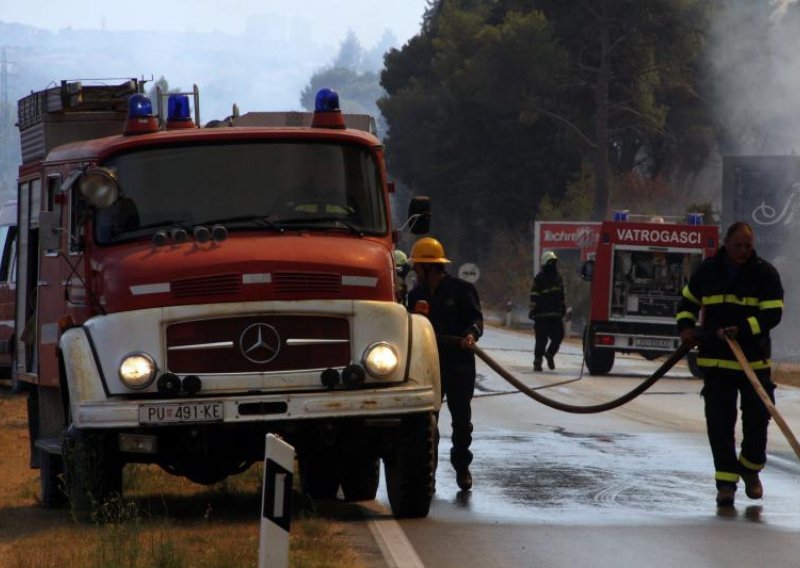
pixel 646 384
pixel 572 408
pixel 751 376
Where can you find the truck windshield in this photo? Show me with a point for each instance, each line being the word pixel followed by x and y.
pixel 245 186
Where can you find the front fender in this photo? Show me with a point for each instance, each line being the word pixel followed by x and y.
pixel 423 365
pixel 80 366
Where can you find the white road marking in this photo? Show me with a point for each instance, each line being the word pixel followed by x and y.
pixel 390 537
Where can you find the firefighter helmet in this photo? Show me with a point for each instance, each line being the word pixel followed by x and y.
pixel 400 258
pixel 427 250
pixel 548 256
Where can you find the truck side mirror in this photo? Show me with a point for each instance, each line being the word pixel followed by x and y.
pixel 587 270
pixel 49 231
pixel 419 215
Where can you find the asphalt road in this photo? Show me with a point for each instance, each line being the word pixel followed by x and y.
pixel 631 487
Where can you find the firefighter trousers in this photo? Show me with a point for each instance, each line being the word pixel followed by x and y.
pixel 458 385
pixel 721 389
pixel 549 335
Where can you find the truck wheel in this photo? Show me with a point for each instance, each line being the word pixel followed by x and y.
pixel 694 368
pixel 51 480
pixel 410 467
pixel 92 473
pixel 598 361
pixel 318 477
pixel 359 472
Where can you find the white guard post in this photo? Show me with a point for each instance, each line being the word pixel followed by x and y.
pixel 276 504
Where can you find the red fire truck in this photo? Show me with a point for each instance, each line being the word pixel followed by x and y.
pixel 184 290
pixel 640 269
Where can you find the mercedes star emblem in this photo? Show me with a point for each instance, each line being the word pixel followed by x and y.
pixel 260 343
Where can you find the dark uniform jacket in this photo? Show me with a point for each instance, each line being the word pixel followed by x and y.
pixel 455 310
pixel 547 295
pixel 750 298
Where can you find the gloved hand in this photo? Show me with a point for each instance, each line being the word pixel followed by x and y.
pixel 532 315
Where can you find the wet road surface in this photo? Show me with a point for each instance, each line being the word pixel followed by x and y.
pixel 629 487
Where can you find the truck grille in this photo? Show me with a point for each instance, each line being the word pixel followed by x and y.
pixel 252 344
pixel 294 282
pixel 207 285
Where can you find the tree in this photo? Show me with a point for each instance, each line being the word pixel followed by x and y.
pixel 461 105
pixel 625 56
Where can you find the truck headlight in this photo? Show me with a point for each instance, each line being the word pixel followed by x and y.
pixel 380 359
pixel 137 370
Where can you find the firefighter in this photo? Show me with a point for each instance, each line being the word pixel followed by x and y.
pixel 454 309
pixel 401 271
pixel 742 297
pixel 547 310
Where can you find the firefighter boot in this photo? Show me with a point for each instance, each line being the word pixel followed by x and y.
pixel 551 364
pixel 752 484
pixel 725 494
pixel 537 365
pixel 464 478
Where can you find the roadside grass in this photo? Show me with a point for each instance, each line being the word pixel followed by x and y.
pixel 165 521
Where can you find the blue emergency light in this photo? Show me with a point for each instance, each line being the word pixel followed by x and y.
pixel 694 218
pixel 139 106
pixel 178 108
pixel 327 101
pixel 621 215
pixel 327 113
pixel 140 116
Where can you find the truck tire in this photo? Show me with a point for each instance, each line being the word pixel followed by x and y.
pixel 691 362
pixel 598 361
pixel 359 472
pixel 92 474
pixel 410 466
pixel 318 478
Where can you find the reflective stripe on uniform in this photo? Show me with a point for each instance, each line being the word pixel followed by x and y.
pixel 685 315
pixel 689 296
pixel 754 327
pixel 729 299
pixel 732 365
pixel 726 476
pixel 770 304
pixel 750 465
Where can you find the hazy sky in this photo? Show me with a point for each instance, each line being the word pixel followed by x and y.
pixel 329 20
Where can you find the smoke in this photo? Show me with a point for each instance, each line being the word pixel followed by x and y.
pixel 779 8
pixel 754 62
pixel 755 72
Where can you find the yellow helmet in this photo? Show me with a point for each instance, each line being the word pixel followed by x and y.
pixel 427 250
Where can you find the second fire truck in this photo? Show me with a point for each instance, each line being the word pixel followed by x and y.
pixel 638 274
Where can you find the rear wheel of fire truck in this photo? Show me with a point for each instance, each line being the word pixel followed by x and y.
pixel 691 362
pixel 410 466
pixel 51 480
pixel 93 475
pixel 318 477
pixel 359 472
pixel 598 361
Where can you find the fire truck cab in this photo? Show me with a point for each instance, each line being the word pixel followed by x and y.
pixel 185 290
pixel 637 277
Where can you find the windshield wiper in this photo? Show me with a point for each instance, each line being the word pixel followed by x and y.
pixel 262 220
pixel 311 222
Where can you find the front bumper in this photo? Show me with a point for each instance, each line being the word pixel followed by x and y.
pixel 362 403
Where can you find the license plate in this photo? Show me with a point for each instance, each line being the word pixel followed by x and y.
pixel 652 343
pixel 182 412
